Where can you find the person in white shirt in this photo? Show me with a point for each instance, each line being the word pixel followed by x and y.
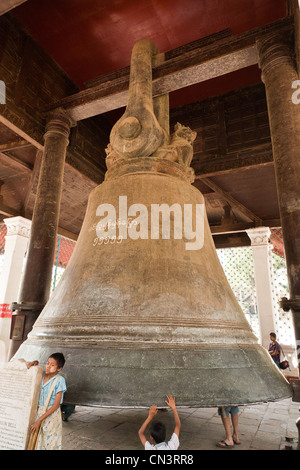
pixel 158 430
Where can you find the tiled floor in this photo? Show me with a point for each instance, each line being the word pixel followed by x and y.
pixel 267 426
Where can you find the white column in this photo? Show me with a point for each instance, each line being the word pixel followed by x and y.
pixel 16 242
pixel 261 250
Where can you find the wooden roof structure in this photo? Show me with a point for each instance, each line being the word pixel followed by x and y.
pixel 76 55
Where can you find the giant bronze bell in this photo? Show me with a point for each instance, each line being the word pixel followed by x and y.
pixel 144 308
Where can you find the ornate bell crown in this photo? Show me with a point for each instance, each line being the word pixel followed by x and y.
pixel 140 141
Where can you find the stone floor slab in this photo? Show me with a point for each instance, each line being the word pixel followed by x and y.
pixel 261 427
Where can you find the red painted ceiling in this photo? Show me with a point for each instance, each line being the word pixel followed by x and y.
pixel 88 38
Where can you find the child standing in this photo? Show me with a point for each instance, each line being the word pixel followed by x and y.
pixel 158 430
pixel 49 421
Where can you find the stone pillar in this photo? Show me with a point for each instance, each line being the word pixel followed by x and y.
pixel 261 250
pixel 36 283
pixel 16 242
pixel 277 62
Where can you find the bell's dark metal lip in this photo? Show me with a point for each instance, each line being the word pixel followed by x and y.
pixel 128 378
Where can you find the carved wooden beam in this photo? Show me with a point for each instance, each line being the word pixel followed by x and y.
pixel 242 226
pixel 194 66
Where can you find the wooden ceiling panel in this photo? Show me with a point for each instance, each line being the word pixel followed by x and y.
pixel 253 187
pixel 7 173
pixel 90 38
pixel 76 191
pixel 14 192
pixel 25 153
pixel 7 135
